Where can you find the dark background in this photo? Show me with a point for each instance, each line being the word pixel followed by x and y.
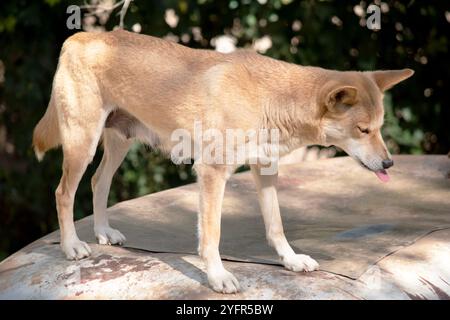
pixel 332 34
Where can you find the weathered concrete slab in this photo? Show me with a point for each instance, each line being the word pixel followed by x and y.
pixel 419 271
pixel 374 241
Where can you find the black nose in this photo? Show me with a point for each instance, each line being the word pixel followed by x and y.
pixel 388 163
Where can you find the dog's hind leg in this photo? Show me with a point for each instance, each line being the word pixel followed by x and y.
pixel 115 147
pixel 268 200
pixel 81 118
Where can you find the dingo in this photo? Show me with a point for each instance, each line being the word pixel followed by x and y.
pixel 124 87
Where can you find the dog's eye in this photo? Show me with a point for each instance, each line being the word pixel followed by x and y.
pixel 365 131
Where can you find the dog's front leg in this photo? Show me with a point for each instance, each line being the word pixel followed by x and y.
pixel 212 180
pixel 268 200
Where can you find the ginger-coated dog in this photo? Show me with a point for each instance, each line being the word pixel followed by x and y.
pixel 121 87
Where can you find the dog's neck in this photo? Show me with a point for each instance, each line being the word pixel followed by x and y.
pixel 293 105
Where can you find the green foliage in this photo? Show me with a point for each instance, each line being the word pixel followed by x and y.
pixel 147 171
pixel 413 34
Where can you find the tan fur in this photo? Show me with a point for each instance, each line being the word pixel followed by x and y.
pixel 126 86
pixel 46 134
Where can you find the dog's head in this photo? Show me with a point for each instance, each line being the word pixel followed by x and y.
pixel 353 115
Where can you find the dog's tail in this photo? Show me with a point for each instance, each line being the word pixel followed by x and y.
pixel 46 134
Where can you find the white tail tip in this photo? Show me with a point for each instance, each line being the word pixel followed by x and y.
pixel 39 155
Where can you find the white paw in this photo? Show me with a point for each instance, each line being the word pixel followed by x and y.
pixel 75 249
pixel 223 281
pixel 300 262
pixel 107 235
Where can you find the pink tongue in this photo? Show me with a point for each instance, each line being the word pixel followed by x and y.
pixel 382 175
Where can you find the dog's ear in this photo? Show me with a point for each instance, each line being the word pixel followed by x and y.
pixel 342 95
pixel 386 79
